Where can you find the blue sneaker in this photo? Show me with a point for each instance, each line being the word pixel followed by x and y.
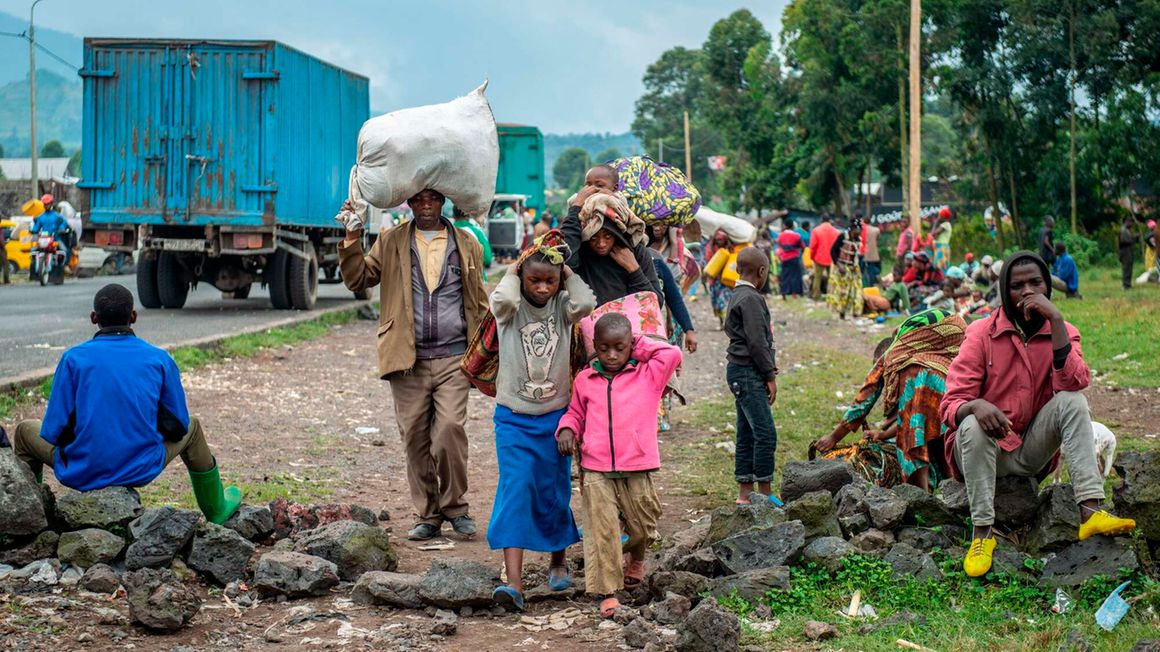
pixel 560 582
pixel 776 501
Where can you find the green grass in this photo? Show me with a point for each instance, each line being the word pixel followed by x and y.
pixel 307 489
pixel 1005 612
pixel 807 408
pixel 1113 322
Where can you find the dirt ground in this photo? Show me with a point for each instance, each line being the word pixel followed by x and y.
pixel 295 415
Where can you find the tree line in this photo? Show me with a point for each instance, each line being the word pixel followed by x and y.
pixel 1019 96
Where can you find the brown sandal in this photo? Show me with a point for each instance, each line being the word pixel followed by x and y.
pixel 633 574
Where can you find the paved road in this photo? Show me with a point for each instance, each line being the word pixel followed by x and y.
pixel 38 323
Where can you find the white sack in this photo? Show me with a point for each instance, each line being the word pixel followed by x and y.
pixel 736 228
pixel 452 148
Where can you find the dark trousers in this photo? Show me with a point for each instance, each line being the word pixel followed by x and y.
pixel 756 434
pixel 870 272
pixel 1126 260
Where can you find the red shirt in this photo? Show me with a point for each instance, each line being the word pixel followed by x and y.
pixel 789 245
pixel 995 365
pixel 822 239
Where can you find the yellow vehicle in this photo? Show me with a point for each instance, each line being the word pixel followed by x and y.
pixel 19 244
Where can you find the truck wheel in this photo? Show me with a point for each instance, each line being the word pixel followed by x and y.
pixel 171 284
pixel 276 280
pixel 147 281
pixel 304 279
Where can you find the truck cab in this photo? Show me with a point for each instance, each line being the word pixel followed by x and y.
pixel 508 225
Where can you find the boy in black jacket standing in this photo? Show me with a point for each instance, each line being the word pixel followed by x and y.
pixel 751 374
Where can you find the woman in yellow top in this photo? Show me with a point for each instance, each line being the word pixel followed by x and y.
pixel 942 239
pixel 721 273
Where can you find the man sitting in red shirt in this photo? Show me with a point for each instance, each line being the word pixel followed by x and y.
pixel 1013 402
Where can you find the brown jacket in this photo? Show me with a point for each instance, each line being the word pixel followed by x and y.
pixel 389 266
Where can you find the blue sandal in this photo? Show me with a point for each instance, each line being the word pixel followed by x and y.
pixel 506 596
pixel 560 583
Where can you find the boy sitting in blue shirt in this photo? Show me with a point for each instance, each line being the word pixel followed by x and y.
pixel 117 415
pixel 1066 270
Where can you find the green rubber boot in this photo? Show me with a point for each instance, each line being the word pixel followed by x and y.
pixel 216 502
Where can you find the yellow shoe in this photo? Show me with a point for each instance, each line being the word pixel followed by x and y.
pixel 1102 522
pixel 978 559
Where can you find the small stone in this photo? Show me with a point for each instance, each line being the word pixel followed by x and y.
pixel 158 600
pixel 71 576
pixel 624 615
pixel 886 510
pixel 872 541
pixel 816 512
pixel 690 585
pixel 1016 500
pixel 701 561
pixel 709 628
pixel 752 585
pixel 681 544
pixel 452 583
pixel 819 631
pixel 800 478
pixel 220 553
pixel 954 495
pixel 294 574
pixel 1057 520
pixel 45 572
pixel 926 538
pixel 828 552
pixel 909 562
pixel 446 623
pixel 672 610
pixel 42 547
pixel 776 545
pixel 84 637
pixel 728 520
pixel 923 508
pixel 254 523
pixel 498 611
pixel 1147 645
pixel 90 546
pixel 245 601
pixel 354 547
pixel 384 515
pixel 1075 642
pixel 1137 495
pixel 391 589
pixel 639 633
pixel 21 506
pixel 159 535
pixel 103 508
pixel 1083 560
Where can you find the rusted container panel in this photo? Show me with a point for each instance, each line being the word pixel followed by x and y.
pixel 244 133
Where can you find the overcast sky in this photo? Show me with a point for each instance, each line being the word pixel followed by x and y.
pixel 564 66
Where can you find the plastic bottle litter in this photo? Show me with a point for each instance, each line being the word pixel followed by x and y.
pixel 1063 603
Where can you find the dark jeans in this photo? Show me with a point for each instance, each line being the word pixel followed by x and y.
pixel 1126 260
pixel 870 272
pixel 756 434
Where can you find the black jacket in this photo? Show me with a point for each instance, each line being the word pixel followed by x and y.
pixel 747 323
pixel 608 280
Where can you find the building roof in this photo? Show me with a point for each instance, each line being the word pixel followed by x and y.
pixel 17 169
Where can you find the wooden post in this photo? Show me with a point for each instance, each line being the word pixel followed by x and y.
pixel 915 198
pixel 1071 89
pixel 902 144
pixel 688 151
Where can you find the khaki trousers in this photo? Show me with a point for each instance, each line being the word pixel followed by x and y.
pixel 36 452
pixel 820 282
pixel 431 409
pixel 604 500
pixel 1064 422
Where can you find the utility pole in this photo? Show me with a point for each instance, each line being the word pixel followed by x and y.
pixel 32 97
pixel 661 150
pixel 915 198
pixel 1071 93
pixel 688 151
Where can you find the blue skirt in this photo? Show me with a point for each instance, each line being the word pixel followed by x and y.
pixel 533 499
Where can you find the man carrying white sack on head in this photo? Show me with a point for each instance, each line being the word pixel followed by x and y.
pixel 432 299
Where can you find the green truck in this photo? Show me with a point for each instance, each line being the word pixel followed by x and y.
pixel 521 163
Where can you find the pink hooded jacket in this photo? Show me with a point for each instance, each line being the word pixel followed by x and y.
pixel 621 434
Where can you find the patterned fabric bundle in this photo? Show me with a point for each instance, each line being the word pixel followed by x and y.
pixel 929 339
pixel 612 211
pixel 642 310
pixel 480 363
pixel 877 463
pixel 657 192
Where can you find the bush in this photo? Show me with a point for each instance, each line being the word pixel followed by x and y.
pixel 1085 251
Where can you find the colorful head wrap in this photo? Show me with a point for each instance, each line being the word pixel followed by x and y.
pixel 551 245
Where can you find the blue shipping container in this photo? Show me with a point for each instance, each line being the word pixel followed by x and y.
pixel 216 133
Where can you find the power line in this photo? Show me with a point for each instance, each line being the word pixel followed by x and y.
pixel 60 59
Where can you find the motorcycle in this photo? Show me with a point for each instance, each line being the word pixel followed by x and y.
pixel 48 260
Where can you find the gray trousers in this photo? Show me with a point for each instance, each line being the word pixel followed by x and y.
pixel 1064 422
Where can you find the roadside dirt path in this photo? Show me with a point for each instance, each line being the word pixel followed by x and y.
pixel 293 416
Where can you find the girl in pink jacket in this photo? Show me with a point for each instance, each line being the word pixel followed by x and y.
pixel 611 424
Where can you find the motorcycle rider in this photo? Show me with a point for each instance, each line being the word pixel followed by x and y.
pixel 56 225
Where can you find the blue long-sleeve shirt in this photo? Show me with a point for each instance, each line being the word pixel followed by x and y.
pixel 111 399
pixel 1065 268
pixel 50 221
pixel 672 290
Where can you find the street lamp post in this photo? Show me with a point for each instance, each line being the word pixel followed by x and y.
pixel 32 96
